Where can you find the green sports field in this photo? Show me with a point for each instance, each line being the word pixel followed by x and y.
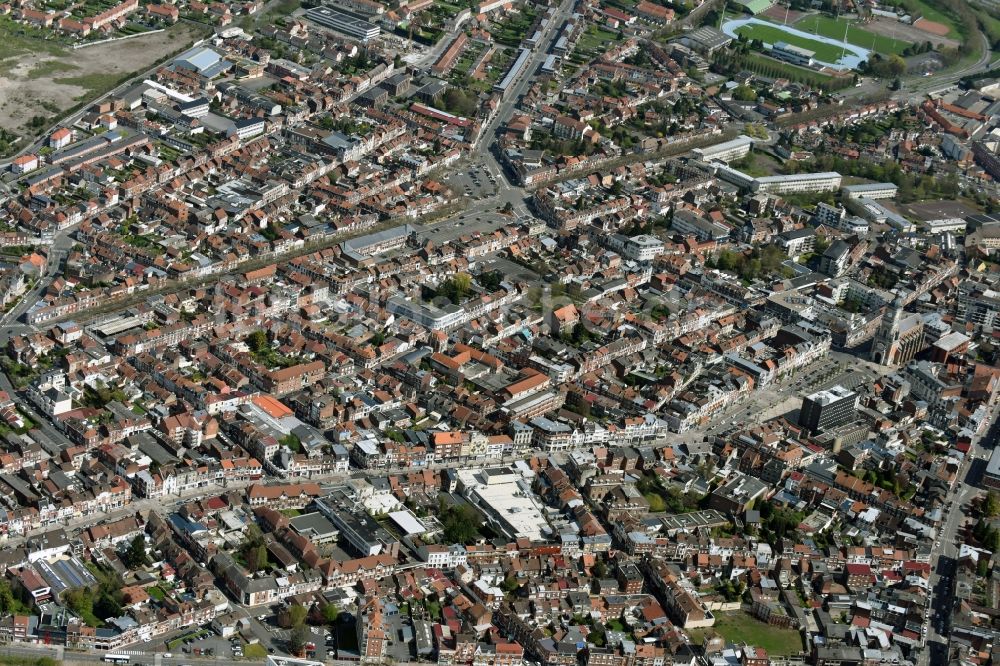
pixel 834 29
pixel 773 35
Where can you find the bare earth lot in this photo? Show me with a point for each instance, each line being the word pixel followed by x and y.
pixel 47 81
pixel 936 210
pixel 909 33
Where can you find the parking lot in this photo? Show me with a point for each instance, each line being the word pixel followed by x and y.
pixel 472 181
pixel 401 636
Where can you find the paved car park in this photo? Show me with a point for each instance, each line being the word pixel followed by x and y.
pixel 473 181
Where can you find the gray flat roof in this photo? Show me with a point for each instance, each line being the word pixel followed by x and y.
pixel 993 468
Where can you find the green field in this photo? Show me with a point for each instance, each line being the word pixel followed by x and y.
pixel 834 29
pixel 741 628
pixel 596 39
pixel 774 34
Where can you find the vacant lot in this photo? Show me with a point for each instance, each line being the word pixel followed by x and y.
pixel 902 31
pixel 936 210
pixel 740 628
pixel 782 14
pixel 834 28
pixel 45 79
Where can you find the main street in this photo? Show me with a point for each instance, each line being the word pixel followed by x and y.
pixel 944 552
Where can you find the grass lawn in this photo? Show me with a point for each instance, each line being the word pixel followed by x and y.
pixel 596 39
pixel 291 513
pixel 774 34
pixel 156 593
pixel 756 165
pixel 834 29
pixel 254 651
pixel 177 642
pixel 616 625
pixel 741 628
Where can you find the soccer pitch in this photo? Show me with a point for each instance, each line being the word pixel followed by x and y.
pixel 834 29
pixel 773 34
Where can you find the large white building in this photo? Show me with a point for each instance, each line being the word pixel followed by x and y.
pixel 344 22
pixel 871 191
pixel 637 248
pixel 506 499
pixel 436 318
pixel 824 181
pixel 726 151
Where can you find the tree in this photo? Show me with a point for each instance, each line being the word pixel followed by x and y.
pixel 253 549
pixel 297 639
pixel 460 102
pixel 107 606
pixel 330 614
pixel 456 288
pixel 258 558
pixel 991 506
pixel 897 66
pixel 79 600
pixel 257 341
pixel 297 615
pixel 252 536
pixel 744 93
pixel 599 570
pixel 135 555
pixel 291 441
pixel 461 523
pixel 7 601
pixel 462 282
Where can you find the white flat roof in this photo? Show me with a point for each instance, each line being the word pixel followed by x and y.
pixel 407 522
pixel 510 500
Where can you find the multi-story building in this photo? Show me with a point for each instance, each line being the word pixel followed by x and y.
pixel 828 409
pixel 352 25
pixel 727 151
pixel 372 638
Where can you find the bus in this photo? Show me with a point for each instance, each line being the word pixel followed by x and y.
pixel 116 658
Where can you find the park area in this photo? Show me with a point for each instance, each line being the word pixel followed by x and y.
pixel 42 79
pixel 740 628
